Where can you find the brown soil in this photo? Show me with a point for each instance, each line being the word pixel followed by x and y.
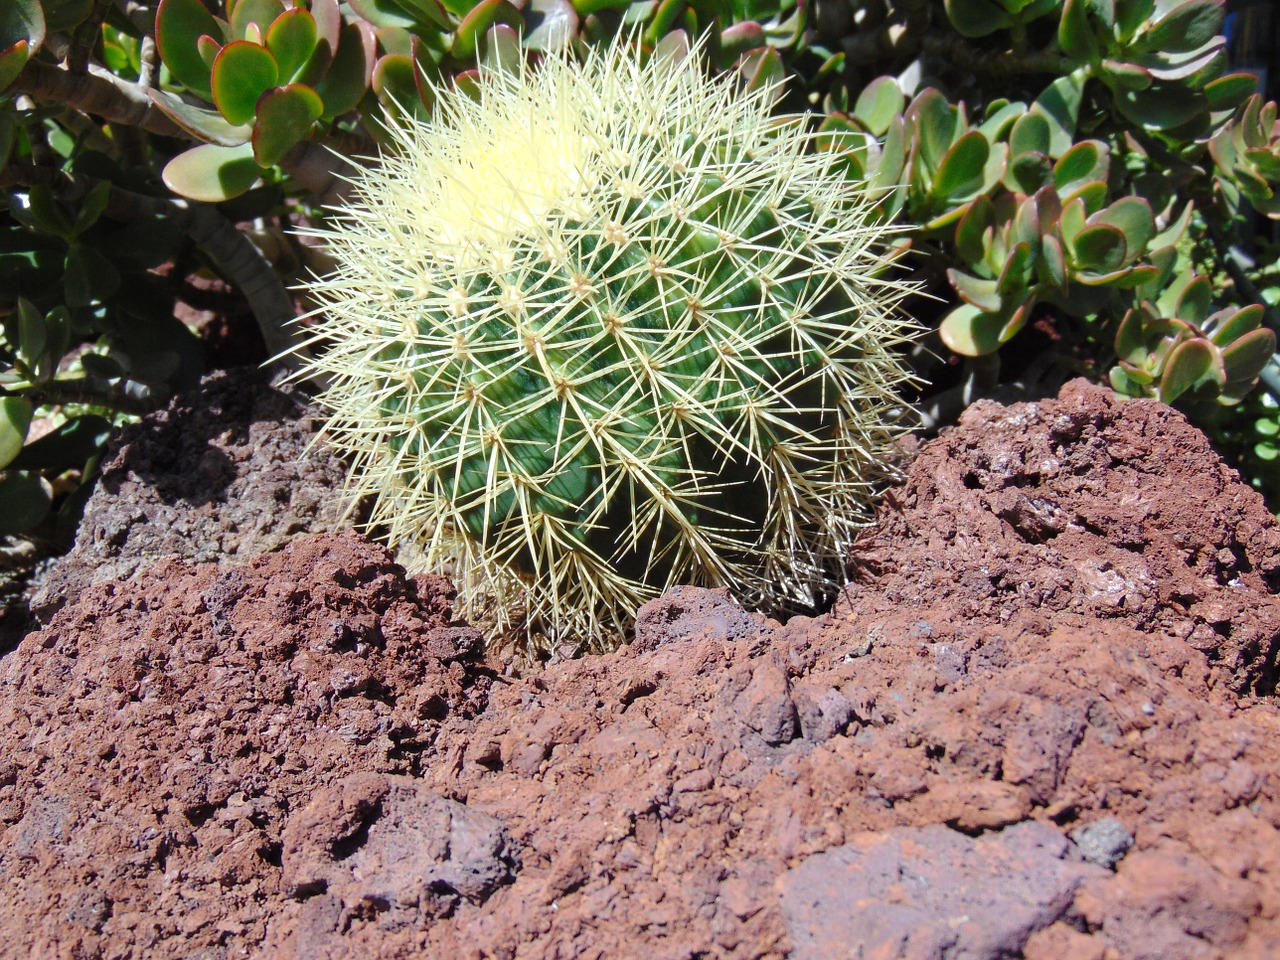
pixel 1040 723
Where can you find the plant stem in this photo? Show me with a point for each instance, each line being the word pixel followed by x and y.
pixel 982 62
pixel 92 391
pixel 97 92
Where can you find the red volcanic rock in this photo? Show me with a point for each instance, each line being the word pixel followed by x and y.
pixel 1041 722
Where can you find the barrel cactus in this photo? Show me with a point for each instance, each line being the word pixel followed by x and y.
pixel 601 326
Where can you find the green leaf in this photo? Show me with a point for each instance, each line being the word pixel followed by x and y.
pixel 1130 16
pixel 935 123
pixel 1087 161
pixel 549 25
pixel 179 26
pixel 1100 248
pixel 478 21
pixel 1130 344
pixel 1030 134
pixel 63 16
pixel 971 332
pixel 880 101
pixel 763 69
pixel 961 171
pixel 1028 172
pixel 68 447
pixel 1248 356
pixel 1227 326
pixel 893 157
pixel 91 208
pixel 207 125
pixel 1186 366
pixel 242 73
pixel 1195 301
pixel 1075 36
pixel 1060 103
pixel 26 502
pixel 427 13
pixel 1052 263
pixel 1014 277
pixel 975 290
pixel 15 421
pixel 1162 107
pixel 1105 11
pixel 1187 27
pixel 396 85
pixel 501 50
pixel 12 59
pixel 351 72
pixel 291 38
pixel 973 229
pixel 285 116
pixel 1229 92
pixel 1091 196
pixel 259 13
pixel 22 31
pixel 977 18
pixel 89 278
pixel 1125 279
pixel 46 213
pixel 1125 76
pixel 1131 216
pixel 212 173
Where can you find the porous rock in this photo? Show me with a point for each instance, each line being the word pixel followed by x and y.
pixel 1062 625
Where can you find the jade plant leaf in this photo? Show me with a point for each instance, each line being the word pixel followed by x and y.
pixel 15 420
pixel 1099 248
pixel 179 26
pixel 26 502
pixel 1132 216
pixel 291 38
pixel 1185 367
pixel 66 447
pixel 977 18
pixel 971 332
pixel 207 125
pixel 549 24
pixel 1075 36
pixel 212 173
pixel 351 72
pixel 285 115
pixel 880 101
pixel 1186 27
pixel 1060 104
pixel 247 14
pixel 22 31
pixel 241 74
pixel 1234 325
pixel 478 21
pixel 1248 356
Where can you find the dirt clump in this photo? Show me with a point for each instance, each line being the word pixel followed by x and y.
pixel 1040 723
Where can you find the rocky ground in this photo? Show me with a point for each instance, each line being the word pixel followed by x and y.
pixel 1039 723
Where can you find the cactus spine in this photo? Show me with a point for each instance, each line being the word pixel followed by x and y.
pixel 608 328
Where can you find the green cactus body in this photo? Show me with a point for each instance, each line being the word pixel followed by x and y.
pixel 608 329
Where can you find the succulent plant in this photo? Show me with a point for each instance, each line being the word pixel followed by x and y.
pixel 609 327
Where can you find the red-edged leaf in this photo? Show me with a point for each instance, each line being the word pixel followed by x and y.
pixel 285 116
pixel 242 73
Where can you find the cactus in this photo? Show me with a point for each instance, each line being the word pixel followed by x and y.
pixel 608 327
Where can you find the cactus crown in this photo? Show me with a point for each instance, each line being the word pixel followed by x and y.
pixel 607 328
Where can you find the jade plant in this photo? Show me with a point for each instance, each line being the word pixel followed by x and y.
pixel 597 329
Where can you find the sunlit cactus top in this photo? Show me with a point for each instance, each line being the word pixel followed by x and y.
pixel 606 328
